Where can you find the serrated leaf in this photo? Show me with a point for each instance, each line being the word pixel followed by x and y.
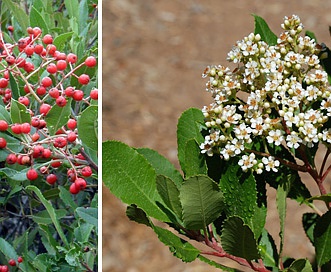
pixel 202 202
pixel 162 165
pixel 300 265
pixel 7 249
pixel 37 20
pixel 131 178
pixel 89 215
pixel 58 117
pixel 180 248
pixel 281 196
pixel 61 40
pixel 215 264
pixel 19 113
pixel 138 215
pixel 194 160
pixel 322 238
pixel 87 126
pixel 262 28
pixel 238 239
pixel 50 210
pixel 268 250
pixel 188 127
pixel 169 193
pixel 309 221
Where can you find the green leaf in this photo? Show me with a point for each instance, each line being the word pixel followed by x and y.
pixel 262 28
pixel 43 216
pixel 161 165
pixel 215 264
pixel 322 238
pixel 238 239
pixel 202 202
pixel 180 248
pixel 4 114
pixel 240 197
pixel 169 193
pixel 83 16
pixel 268 250
pixel 50 211
pixel 326 198
pixel 13 86
pixel 195 162
pixel 18 13
pixel 89 215
pixel 87 126
pixel 72 8
pixel 66 197
pixel 131 178
pixel 138 215
pixel 309 221
pixel 281 207
pixel 19 113
pixel 37 20
pixel 72 256
pixel 12 143
pixel 7 249
pixel 188 127
pixel 58 117
pixel 61 40
pixel 300 265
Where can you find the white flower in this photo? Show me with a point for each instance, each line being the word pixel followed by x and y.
pixel 275 136
pixel 293 140
pixel 270 163
pixel 247 162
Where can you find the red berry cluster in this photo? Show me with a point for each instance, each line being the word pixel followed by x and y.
pixel 11 262
pixel 43 76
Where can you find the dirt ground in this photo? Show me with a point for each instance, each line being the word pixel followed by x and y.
pixel 153 56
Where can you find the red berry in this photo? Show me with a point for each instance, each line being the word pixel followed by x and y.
pixel 3 83
pixel 36 31
pixel 90 61
pixel 61 65
pixel 4 125
pixel 10 60
pixel 27 88
pixel 12 262
pixel 44 108
pixel 46 82
pixel 24 100
pixel 23 159
pixel 71 58
pixel 80 183
pixel 61 101
pixel 94 94
pixel 4 268
pixel 51 68
pixel 60 55
pixel 71 175
pixel 3 142
pixel 29 50
pixel 54 92
pixel 35 137
pixel 47 153
pixel 16 128
pixel 32 174
pixel 72 123
pixel 47 39
pixel 10 28
pixel 38 49
pixel 60 142
pixel 20 62
pixel 41 90
pixel 25 128
pixel 86 171
pixel 84 79
pixel 69 91
pixel 35 122
pixel 37 151
pixel 51 48
pixel 78 95
pixel 71 136
pixel 11 158
pixel 51 179
pixel 29 67
pixel 20 259
pixel 74 189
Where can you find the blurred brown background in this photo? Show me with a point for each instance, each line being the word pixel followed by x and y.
pixel 153 55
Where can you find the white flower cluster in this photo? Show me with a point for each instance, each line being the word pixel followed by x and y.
pixel 278 93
